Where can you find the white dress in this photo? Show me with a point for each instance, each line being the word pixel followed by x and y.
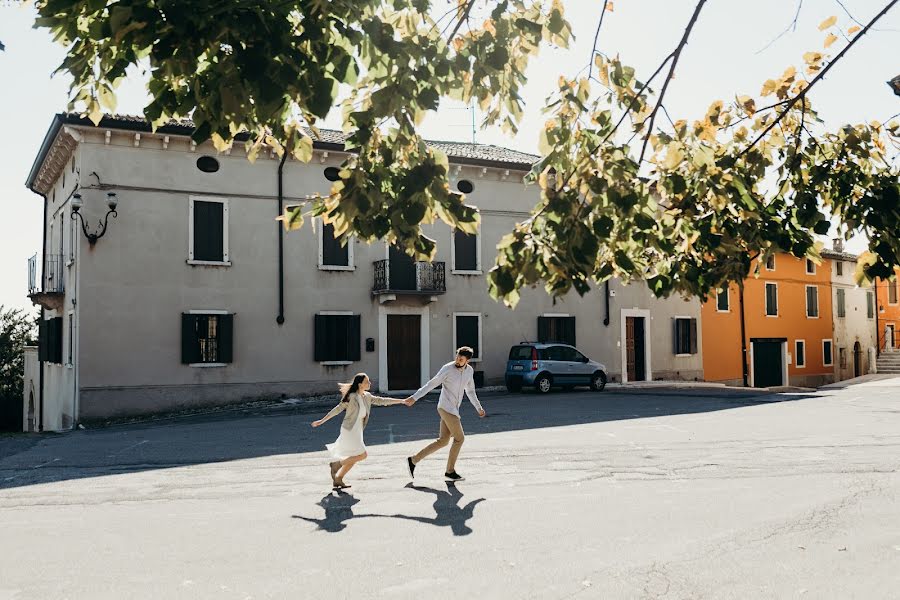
pixel 350 441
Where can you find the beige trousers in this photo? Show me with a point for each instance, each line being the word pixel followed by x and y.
pixel 450 427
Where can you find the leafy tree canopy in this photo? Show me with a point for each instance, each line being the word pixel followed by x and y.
pixel 685 206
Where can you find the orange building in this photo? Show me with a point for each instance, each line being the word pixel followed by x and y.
pixel 788 327
pixel 888 294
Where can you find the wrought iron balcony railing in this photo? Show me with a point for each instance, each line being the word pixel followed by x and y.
pixel 46 280
pixel 393 276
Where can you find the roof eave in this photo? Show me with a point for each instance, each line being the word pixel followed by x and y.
pixel 55 125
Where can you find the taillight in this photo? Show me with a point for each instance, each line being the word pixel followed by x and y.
pixel 534 359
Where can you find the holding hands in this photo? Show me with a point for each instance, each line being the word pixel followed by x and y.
pixel 317 423
pixel 409 401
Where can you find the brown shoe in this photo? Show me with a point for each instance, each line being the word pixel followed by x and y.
pixel 340 485
pixel 335 467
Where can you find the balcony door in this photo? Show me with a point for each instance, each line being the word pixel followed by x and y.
pixel 402 270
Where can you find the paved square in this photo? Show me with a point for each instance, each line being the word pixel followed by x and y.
pixel 694 494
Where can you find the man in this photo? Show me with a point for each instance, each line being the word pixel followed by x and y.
pixel 455 378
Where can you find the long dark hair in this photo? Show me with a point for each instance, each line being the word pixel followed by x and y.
pixel 351 388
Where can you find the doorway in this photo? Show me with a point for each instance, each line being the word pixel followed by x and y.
pixel 857 360
pixel 401 269
pixel 635 349
pixel 404 351
pixel 768 362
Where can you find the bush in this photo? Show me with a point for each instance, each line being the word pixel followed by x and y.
pixel 17 330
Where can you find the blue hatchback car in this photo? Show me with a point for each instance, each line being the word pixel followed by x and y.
pixel 548 365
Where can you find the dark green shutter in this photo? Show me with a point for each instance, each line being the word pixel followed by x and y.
pixel 320 335
pixel 43 341
pixel 225 341
pixel 54 338
pixel 190 349
pixel 465 247
pixel 693 336
pixel 353 338
pixel 208 231
pixel 568 330
pixel 543 329
pixel 467 333
pixel 333 252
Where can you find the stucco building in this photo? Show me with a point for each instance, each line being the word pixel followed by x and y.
pixel 854 316
pixel 196 296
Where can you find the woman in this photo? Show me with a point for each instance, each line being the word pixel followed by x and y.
pixel 349 448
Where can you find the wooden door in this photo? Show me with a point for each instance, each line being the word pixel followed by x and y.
pixel 767 361
pixel 635 345
pixel 404 352
pixel 402 270
pixel 857 360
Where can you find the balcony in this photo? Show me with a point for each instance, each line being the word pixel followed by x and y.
pixel 46 282
pixel 399 277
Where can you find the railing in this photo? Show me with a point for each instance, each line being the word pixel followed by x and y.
pixel 418 277
pixel 51 279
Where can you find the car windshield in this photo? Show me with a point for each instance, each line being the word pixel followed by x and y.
pixel 520 353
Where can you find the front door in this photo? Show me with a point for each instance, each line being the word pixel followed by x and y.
pixel 889 336
pixel 404 358
pixel 635 357
pixel 857 360
pixel 767 364
pixel 402 270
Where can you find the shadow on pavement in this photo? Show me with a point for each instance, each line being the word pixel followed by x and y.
pixel 338 507
pixel 202 440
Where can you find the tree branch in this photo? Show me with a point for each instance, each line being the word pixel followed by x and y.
pixel 596 37
pixel 675 56
pixel 463 18
pixel 793 25
pixel 818 77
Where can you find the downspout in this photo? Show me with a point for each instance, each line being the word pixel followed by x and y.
pixel 280 318
pixel 40 360
pixel 877 330
pixel 743 335
pixel 606 292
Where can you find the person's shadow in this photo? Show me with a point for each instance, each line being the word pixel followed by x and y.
pixel 338 507
pixel 448 512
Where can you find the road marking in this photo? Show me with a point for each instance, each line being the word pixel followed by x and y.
pixel 31 469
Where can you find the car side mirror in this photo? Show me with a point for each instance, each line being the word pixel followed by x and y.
pixel 585 359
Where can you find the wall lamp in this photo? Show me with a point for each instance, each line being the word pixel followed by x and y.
pixel 77 203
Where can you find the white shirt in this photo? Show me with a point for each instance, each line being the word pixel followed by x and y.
pixel 454 382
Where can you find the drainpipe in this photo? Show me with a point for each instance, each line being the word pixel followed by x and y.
pixel 40 360
pixel 877 332
pixel 606 318
pixel 280 318
pixel 743 335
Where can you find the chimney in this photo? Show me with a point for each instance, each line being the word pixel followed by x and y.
pixel 838 245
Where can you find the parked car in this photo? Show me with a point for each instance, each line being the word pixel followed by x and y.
pixel 547 365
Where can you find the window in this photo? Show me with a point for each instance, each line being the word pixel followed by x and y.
pixel 208 231
pixel 810 267
pixel 466 252
pixel 333 255
pixel 206 338
pixel 870 305
pixel 892 292
pixel 827 349
pixel 839 266
pixel 772 299
pixel 842 357
pixel 337 337
pixel 467 332
pixel 50 342
pixel 800 353
pixel 563 354
pixel 685 336
pixel 841 303
pixel 770 262
pixel 812 301
pixel 722 304
pixel 556 328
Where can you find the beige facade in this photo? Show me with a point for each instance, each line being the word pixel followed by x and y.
pixel 125 296
pixel 854 317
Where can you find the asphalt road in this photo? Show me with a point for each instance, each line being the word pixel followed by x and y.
pixel 706 494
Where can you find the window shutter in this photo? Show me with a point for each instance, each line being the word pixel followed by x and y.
pixel 208 231
pixel 353 338
pixel 333 253
pixel 543 329
pixel 465 248
pixel 320 351
pixel 568 326
pixel 55 350
pixel 189 346
pixel 43 342
pixel 467 333
pixel 676 346
pixel 225 339
pixel 693 336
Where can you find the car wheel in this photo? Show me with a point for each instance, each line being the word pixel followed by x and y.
pixel 598 381
pixel 543 384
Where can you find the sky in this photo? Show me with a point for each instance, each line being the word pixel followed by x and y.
pixel 726 56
